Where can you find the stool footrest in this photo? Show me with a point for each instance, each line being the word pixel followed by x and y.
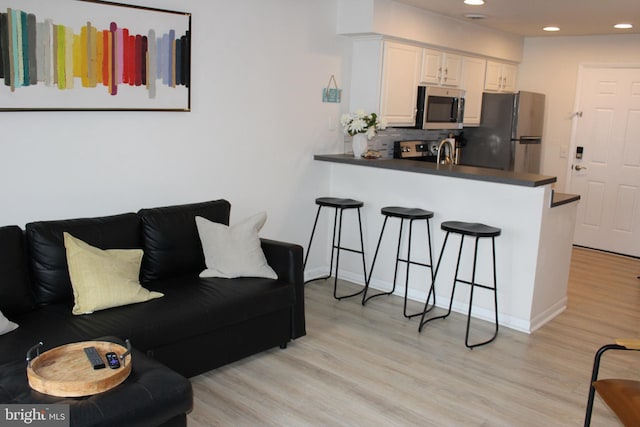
pixel 415 262
pixel 347 249
pixel 480 285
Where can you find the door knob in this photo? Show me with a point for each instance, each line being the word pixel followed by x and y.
pixel 579 168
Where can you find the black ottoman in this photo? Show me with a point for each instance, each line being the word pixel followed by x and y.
pixel 152 395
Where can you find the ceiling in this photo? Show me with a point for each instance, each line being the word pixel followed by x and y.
pixel 527 17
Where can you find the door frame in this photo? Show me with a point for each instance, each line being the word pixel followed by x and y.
pixel 582 69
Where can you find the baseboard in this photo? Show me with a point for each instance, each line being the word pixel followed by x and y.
pixel 515 323
pixel 540 320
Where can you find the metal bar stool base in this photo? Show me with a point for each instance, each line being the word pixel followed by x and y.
pixel 478 231
pixel 410 214
pixel 339 205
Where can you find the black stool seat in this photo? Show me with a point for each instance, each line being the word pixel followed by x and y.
pixel 336 202
pixel 470 229
pixel 407 213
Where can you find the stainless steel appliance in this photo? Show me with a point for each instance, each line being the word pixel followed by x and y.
pixel 421 150
pixel 439 108
pixel 447 151
pixel 510 133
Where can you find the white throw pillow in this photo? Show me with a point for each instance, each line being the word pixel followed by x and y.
pixel 6 325
pixel 234 251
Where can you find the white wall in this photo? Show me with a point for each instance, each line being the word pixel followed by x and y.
pixel 257 118
pixel 550 65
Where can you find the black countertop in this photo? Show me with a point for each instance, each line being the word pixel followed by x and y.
pixel 453 171
pixel 559 199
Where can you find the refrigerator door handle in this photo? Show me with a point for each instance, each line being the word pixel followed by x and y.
pixel 530 140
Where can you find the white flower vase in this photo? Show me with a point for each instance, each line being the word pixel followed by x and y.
pixel 359 144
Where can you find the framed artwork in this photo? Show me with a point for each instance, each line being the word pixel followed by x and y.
pixel 93 55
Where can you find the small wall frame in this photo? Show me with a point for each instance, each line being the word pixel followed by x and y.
pixel 331 94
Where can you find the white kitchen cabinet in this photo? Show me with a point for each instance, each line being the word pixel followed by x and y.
pixel 473 81
pixel 440 68
pixel 500 77
pixel 400 74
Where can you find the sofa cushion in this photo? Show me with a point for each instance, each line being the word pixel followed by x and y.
pixel 171 243
pixel 104 278
pixel 48 256
pixel 192 306
pixel 15 287
pixel 234 251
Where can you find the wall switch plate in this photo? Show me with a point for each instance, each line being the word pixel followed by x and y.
pixel 564 151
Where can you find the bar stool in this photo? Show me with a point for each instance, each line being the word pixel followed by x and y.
pixel 410 214
pixel 340 205
pixel 478 231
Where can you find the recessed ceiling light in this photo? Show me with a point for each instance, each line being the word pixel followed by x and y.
pixel 475 16
pixel 551 29
pixel 474 2
pixel 623 26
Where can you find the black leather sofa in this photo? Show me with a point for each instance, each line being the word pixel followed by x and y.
pixel 199 324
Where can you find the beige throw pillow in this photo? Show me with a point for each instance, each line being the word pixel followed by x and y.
pixel 234 251
pixel 6 325
pixel 104 278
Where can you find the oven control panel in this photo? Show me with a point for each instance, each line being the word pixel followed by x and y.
pixel 415 150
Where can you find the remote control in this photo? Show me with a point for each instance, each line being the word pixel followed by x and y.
pixel 94 358
pixel 112 359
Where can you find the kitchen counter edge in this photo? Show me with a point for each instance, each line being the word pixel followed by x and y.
pixel 453 171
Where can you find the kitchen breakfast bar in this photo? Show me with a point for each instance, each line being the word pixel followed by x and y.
pixel 533 254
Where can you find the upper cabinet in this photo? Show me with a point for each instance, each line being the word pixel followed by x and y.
pixel 400 74
pixel 472 81
pixel 440 68
pixel 500 77
pixel 385 76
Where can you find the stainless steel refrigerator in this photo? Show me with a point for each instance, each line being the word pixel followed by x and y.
pixel 510 133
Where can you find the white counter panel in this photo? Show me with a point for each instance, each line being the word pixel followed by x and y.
pixel 531 252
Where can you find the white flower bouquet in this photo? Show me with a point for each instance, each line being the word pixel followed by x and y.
pixel 362 122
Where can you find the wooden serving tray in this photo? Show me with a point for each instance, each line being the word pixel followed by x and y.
pixel 65 371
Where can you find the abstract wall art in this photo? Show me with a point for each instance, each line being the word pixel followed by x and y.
pixel 93 55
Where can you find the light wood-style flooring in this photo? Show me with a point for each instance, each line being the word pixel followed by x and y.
pixel 369 366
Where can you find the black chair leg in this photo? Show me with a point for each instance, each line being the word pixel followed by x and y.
pixel 594 378
pixel 315 223
pixel 424 321
pixel 495 295
pixel 338 248
pixel 375 257
pixel 313 232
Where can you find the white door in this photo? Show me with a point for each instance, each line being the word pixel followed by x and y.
pixel 608 176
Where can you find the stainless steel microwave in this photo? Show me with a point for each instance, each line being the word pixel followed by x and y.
pixel 439 108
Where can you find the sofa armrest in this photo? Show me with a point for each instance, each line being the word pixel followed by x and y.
pixel 286 260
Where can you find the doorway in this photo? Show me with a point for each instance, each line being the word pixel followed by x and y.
pixel 604 167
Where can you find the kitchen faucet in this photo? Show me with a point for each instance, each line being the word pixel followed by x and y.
pixel 449 159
